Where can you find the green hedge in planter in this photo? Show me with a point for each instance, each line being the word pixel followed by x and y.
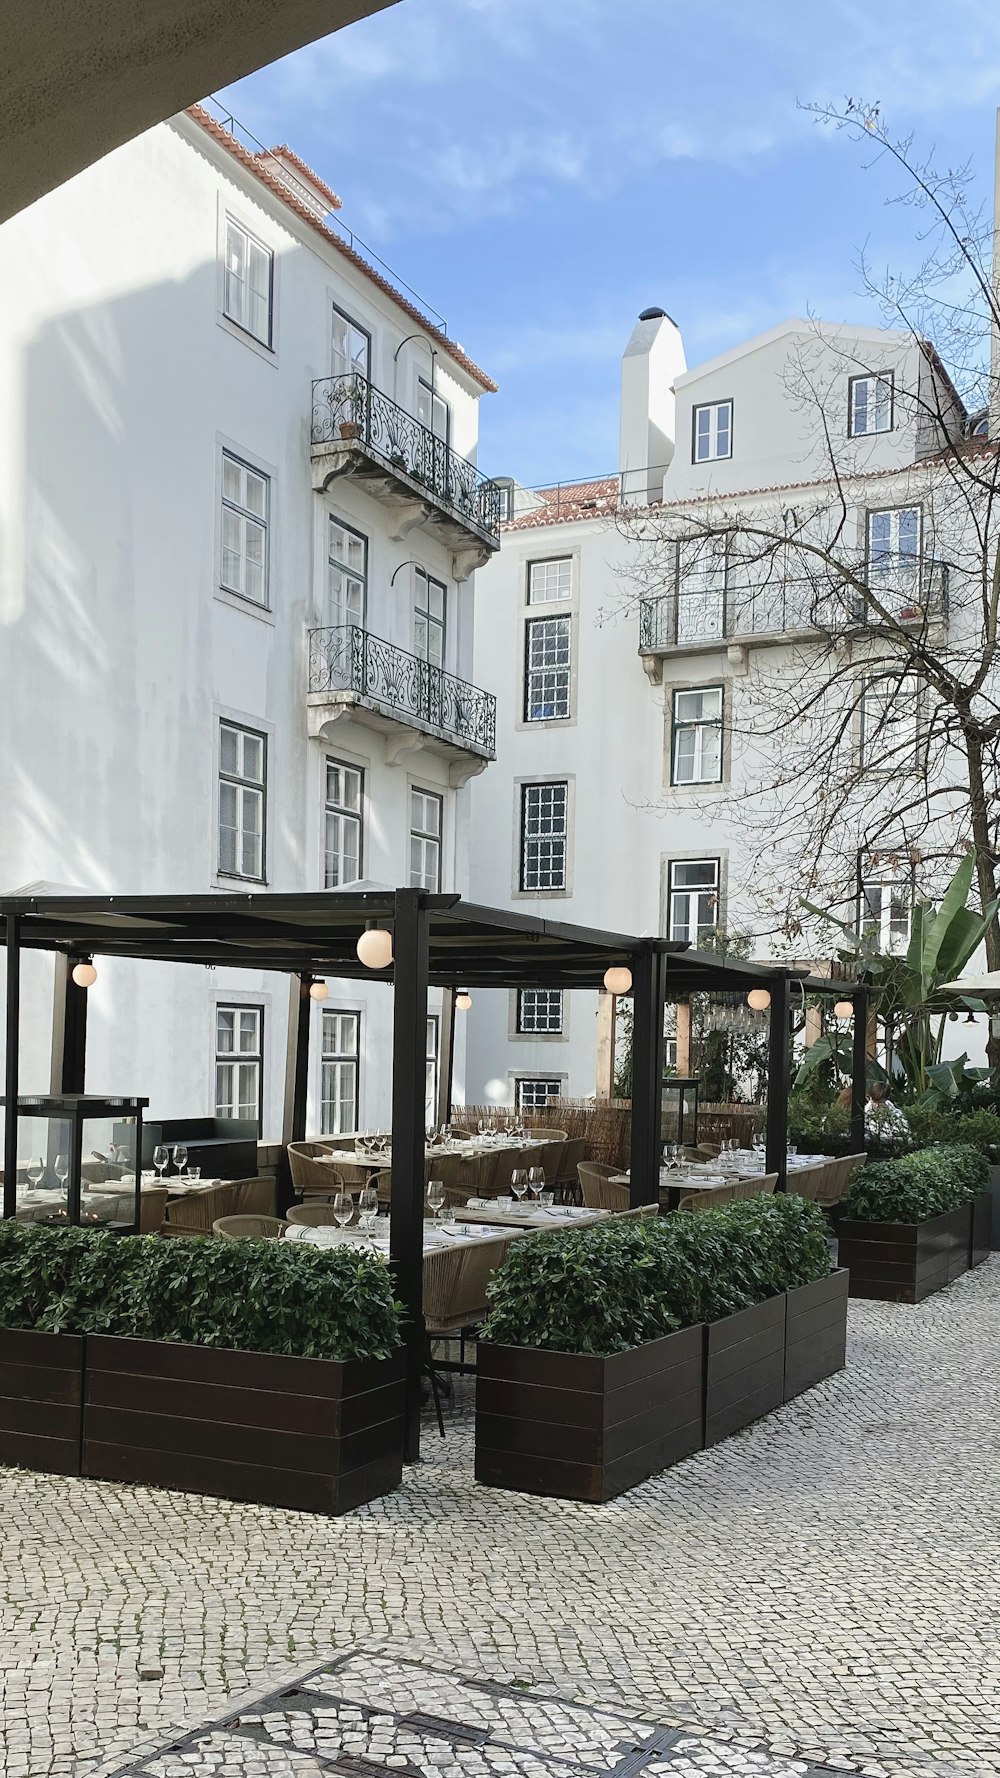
pixel 619 1284
pixel 255 1296
pixel 916 1186
pixel 974 1129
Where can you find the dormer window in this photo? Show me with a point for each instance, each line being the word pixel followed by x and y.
pixel 712 432
pixel 870 405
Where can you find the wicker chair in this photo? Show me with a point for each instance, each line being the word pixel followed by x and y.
pixel 837 1181
pixel 551 1157
pixel 152 1207
pixel 312 1216
pixel 197 1212
pixel 639 1214
pixel 250 1228
pixel 734 1192
pixel 455 1283
pixel 256 1197
pixel 567 1184
pixel 312 1177
pixel 808 1182
pixel 598 1191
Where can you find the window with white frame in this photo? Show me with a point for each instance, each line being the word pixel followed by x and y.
pixel 894 552
pixel 533 1094
pixel 539 1012
pixel 696 754
pixel 249 281
pixel 346 576
pixel 890 724
pixel 870 403
pixel 702 568
pixel 340 1046
pixel 693 898
pixel 351 346
pixel 245 503
pixel 343 817
pixel 544 835
pixel 433 411
pixel 429 612
pixel 242 801
pixel 711 431
pixel 505 501
pixel 432 1062
pixel 426 820
pixel 547 643
pixel 550 581
pixel 239 1062
pixel 884 909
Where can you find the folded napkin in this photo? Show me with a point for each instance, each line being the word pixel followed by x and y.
pixel 478 1203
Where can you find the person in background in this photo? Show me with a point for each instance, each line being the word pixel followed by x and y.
pixel 884 1122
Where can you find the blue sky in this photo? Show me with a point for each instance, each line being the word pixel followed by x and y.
pixel 541 170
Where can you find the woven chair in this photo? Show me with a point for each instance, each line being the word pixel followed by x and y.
pixel 312 1216
pixel 807 1182
pixel 838 1178
pixel 709 1198
pixel 250 1228
pixel 759 1185
pixel 311 1176
pixel 256 1197
pixel 455 1283
pixel 639 1214
pixel 567 1184
pixel 152 1207
pixel 550 1160
pixel 598 1191
pixel 197 1212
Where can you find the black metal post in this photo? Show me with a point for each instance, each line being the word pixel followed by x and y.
pixel 778 1061
pixel 648 994
pixel 12 934
pixel 69 1029
pixel 406 1208
pixel 300 1077
pixel 859 1070
pixel 446 1057
pixel 296 1083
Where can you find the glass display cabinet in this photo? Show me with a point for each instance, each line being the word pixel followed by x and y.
pixel 679 1110
pixel 76 1161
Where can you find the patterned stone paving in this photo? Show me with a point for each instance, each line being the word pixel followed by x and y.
pixel 822 1590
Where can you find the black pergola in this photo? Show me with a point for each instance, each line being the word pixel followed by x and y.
pixel 438 940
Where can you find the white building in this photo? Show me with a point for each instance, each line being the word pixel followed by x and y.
pixel 622 676
pixel 239 517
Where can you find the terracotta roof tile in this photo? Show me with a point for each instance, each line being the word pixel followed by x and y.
pixel 283 191
pixel 289 154
pixel 575 500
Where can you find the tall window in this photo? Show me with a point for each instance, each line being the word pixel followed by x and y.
pixel 532 1094
pixel 550 581
pixel 702 566
pixel 505 500
pixel 432 1054
pixel 433 411
pixel 869 405
pixel 894 541
pixel 544 833
pixel 248 282
pixel 351 346
pixel 546 668
pixel 693 894
pixel 344 813
pixel 539 1012
pixel 339 1071
pixel 245 501
pixel 429 606
pixel 712 431
pixel 890 724
pixel 239 1062
pixel 696 756
pixel 242 802
pixel 346 575
pixel 426 812
pixel 884 909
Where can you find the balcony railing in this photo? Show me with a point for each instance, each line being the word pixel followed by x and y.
pixel 726 609
pixel 350 410
pixel 348 658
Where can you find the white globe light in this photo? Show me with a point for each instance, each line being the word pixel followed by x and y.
pixel 759 999
pixel 84 975
pixel 463 1000
pixel 844 1009
pixel 495 1092
pixel 375 948
pixel 618 981
pixel 318 991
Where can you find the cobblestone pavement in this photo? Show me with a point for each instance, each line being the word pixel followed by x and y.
pixel 823 1588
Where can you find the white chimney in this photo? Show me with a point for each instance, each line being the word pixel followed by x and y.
pixel 653 359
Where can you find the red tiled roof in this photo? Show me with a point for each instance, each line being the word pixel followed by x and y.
pixel 575 500
pixel 289 154
pixel 281 190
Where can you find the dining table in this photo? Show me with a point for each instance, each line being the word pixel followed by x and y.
pixel 474 1148
pixel 437 1237
pixel 690 1176
pixel 530 1215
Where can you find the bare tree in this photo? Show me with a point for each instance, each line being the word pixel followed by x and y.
pixel 868 740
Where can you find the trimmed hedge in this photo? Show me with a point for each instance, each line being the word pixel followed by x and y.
pixel 254 1296
pixel 915 1187
pixel 620 1284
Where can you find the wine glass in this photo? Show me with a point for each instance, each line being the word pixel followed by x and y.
pixel 519 1183
pixel 180 1157
pixel 367 1218
pixel 368 1200
pixel 343 1208
pixel 536 1179
pixel 435 1195
pixel 481 1126
pixel 35 1171
pixel 61 1169
pixel 160 1158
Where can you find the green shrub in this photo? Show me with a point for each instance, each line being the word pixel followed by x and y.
pixel 255 1296
pixel 818 1128
pixel 616 1285
pixel 935 1123
pixel 917 1186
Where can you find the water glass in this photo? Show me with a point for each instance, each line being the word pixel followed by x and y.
pixel 435 1195
pixel 343 1208
pixel 546 1200
pixel 194 1174
pixel 505 1204
pixel 448 1214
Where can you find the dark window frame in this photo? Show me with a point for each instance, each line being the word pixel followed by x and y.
pixel 526 790
pixel 222 777
pixel 690 783
pixel 547 617
pixel 699 407
pixel 521 1030
pixel 234 1056
pixel 335 309
pixel 268 344
pixel 348 765
pixel 346 1012
pixel 672 889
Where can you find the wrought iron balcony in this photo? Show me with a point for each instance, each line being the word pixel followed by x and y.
pixel 704 610
pixel 359 431
pixel 349 668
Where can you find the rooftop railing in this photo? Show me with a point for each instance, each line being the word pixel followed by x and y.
pixel 346 657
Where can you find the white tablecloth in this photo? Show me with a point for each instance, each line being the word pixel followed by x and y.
pixel 436 1239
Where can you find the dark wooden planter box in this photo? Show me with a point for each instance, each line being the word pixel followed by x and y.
pixel 41 1391
pixel 900 1262
pixel 307 1433
pixel 587 1428
pixel 744 1367
pixel 981 1239
pixel 815 1332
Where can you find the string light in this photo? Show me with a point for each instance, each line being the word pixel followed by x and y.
pixel 618 980
pixel 84 973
